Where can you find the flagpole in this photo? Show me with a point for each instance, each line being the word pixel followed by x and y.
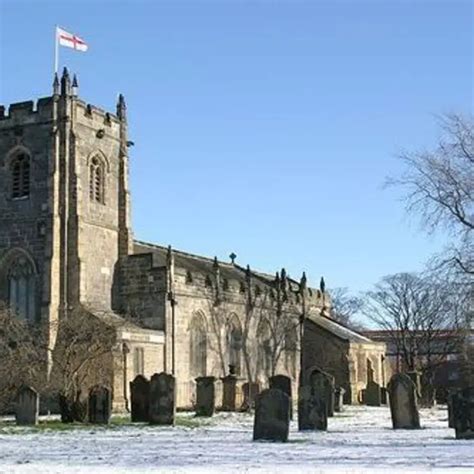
pixel 56 50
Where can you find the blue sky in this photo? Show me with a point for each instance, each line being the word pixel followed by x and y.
pixel 266 128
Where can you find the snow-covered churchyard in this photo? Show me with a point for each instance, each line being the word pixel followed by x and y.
pixel 359 439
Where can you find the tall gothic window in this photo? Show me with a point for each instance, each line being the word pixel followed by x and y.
pixel 21 289
pixel 234 343
pixel 265 348
pixel 20 176
pixel 198 347
pixel 97 180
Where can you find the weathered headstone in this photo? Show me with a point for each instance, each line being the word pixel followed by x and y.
pixel 250 391
pixel 463 413
pixel 27 406
pixel 450 402
pixel 162 408
pixel 205 396
pixel 373 394
pixel 283 383
pixel 338 399
pixel 229 392
pixel 272 416
pixel 100 405
pixel 140 399
pixel 403 404
pixel 313 399
pixel 312 410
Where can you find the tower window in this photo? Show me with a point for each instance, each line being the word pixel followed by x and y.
pixel 20 174
pixel 97 181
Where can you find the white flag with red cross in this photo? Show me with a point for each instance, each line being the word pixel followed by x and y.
pixel 69 40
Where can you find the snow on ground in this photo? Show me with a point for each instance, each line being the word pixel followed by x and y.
pixel 358 440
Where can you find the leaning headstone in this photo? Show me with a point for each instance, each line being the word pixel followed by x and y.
pixel 27 406
pixel 339 399
pixel 229 392
pixel 162 407
pixel 205 396
pixel 463 413
pixel 272 416
pixel 250 391
pixel 100 405
pixel 403 404
pixel 140 399
pixel 283 383
pixel 373 394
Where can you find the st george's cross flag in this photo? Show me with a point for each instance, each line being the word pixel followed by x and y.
pixel 70 41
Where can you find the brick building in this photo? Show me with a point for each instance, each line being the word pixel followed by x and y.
pixel 66 242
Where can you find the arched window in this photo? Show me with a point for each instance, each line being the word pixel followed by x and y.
pixel 97 180
pixel 20 176
pixel 265 348
pixel 22 289
pixel 234 345
pixel 291 352
pixel 198 347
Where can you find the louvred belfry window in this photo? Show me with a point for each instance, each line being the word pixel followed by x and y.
pixel 97 181
pixel 20 173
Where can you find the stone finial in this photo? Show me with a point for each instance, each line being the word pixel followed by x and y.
pixel 75 85
pixel 121 108
pixel 303 282
pixel 232 257
pixel 248 273
pixel 65 83
pixel 215 264
pixel 322 285
pixel 277 278
pixel 56 84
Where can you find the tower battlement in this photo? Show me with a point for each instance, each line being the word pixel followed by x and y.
pixel 26 112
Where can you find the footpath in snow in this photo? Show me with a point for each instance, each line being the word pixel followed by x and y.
pixel 358 440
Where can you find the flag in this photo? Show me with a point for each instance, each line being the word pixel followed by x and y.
pixel 70 41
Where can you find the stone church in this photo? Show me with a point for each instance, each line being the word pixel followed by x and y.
pixel 66 242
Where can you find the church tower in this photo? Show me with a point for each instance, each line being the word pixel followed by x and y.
pixel 64 203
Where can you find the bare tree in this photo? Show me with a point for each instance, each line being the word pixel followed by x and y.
pixel 439 187
pixel 422 318
pixel 344 306
pixel 22 356
pixel 82 357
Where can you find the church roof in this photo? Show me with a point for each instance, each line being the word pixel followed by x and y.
pixel 198 263
pixel 338 329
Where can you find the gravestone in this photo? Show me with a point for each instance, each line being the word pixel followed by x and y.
pixel 450 402
pixel 27 406
pixel 312 410
pixel 205 396
pixel 331 387
pixel 283 383
pixel 313 399
pixel 140 399
pixel 463 413
pixel 403 404
pixel 272 416
pixel 373 394
pixel 338 399
pixel 162 408
pixel 250 391
pixel 73 409
pixel 229 392
pixel 100 405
